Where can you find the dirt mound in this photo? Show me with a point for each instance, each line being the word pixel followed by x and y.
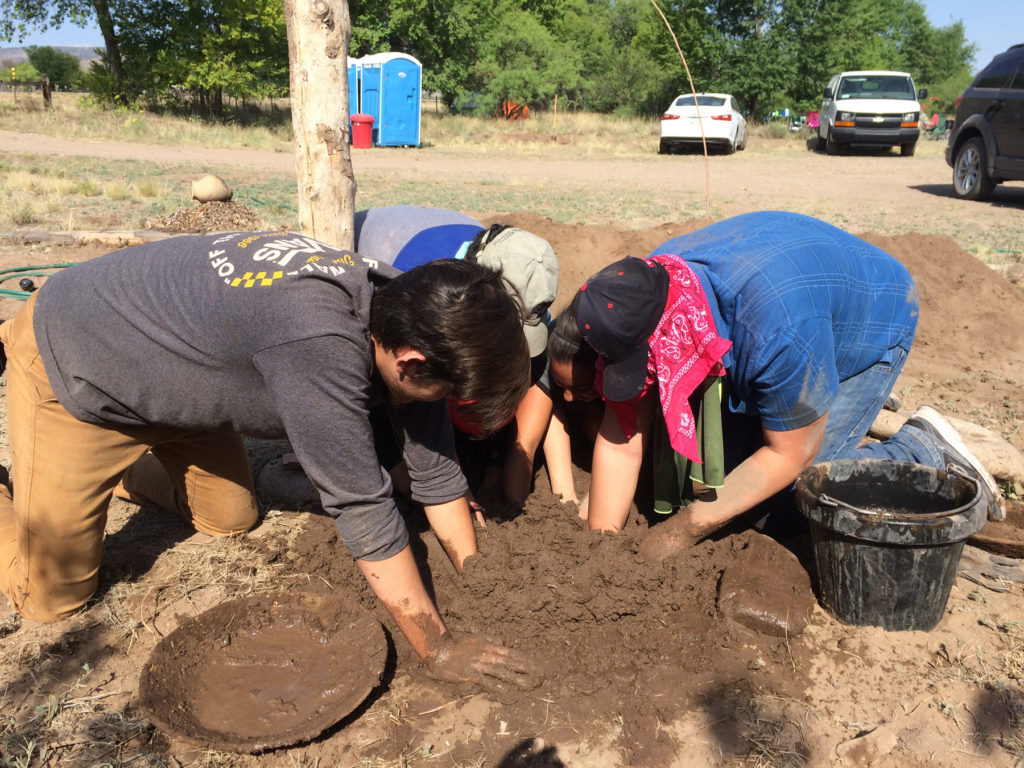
pixel 644 667
pixel 209 217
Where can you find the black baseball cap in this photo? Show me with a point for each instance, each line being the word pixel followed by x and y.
pixel 616 311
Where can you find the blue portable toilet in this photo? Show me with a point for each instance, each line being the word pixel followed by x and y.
pixel 390 86
pixel 353 86
pixel 369 91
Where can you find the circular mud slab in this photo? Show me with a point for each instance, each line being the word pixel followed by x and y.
pixel 263 671
pixel 1005 537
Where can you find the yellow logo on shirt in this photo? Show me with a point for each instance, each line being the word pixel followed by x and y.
pixel 250 279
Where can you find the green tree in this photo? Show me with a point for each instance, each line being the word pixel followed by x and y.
pixel 443 35
pixel 194 53
pixel 522 61
pixel 62 68
pixel 17 17
pixel 662 75
pixel 24 72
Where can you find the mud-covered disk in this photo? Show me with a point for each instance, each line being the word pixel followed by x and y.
pixel 1005 537
pixel 263 671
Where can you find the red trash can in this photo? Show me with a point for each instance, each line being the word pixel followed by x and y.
pixel 362 131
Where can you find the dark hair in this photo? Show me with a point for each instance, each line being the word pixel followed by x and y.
pixel 483 237
pixel 463 321
pixel 565 342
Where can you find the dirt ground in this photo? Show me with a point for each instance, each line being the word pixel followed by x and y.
pixel 722 657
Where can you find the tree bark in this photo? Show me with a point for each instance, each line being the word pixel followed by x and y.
pixel 114 63
pixel 318 36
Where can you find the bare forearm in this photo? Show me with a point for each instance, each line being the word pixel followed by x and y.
pixel 452 522
pixel 616 468
pixel 615 471
pixel 764 473
pixel 758 478
pixel 532 417
pixel 558 459
pixel 770 469
pixel 517 475
pixel 397 584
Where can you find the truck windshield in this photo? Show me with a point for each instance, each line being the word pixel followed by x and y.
pixel 877 87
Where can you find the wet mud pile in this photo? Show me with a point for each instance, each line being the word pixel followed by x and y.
pixel 617 639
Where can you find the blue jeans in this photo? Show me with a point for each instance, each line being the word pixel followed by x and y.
pixel 856 407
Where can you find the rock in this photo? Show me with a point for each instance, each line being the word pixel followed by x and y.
pixel 887 423
pixel 869 749
pixel 996 454
pixel 210 188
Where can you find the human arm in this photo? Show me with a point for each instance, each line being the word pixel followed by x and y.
pixel 616 467
pixel 452 523
pixel 558 455
pixel 471 659
pixel 532 417
pixel 768 470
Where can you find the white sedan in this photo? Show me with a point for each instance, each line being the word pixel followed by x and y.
pixel 723 123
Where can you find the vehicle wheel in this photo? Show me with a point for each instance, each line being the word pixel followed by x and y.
pixel 663 148
pixel 970 174
pixel 907 150
pixel 831 145
pixel 819 143
pixel 743 144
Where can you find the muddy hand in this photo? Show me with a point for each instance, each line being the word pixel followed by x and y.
pixel 475 659
pixel 670 538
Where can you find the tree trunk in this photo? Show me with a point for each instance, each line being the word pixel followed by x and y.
pixel 114 63
pixel 318 35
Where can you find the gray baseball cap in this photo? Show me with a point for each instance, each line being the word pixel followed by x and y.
pixel 529 264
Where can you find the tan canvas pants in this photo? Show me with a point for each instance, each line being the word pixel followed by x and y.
pixel 64 472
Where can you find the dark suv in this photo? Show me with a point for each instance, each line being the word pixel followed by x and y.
pixel 987 142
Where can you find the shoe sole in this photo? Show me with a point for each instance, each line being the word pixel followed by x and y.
pixel 948 433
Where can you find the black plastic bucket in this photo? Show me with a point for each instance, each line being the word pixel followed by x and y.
pixel 887 538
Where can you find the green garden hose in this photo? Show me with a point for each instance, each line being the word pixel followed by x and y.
pixel 42 270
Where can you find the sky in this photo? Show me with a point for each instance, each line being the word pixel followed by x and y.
pixel 992 25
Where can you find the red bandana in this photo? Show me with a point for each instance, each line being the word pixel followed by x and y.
pixel 684 350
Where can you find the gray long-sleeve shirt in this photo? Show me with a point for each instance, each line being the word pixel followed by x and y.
pixel 260 333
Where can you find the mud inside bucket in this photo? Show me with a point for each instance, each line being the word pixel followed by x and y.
pixel 887 538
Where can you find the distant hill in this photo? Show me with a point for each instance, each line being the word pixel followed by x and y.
pixel 84 53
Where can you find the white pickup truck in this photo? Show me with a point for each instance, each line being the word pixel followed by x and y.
pixel 870 109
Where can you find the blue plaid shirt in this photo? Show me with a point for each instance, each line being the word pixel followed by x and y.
pixel 806 306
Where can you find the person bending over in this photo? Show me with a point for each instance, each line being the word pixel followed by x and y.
pixel 406 236
pixel 748 350
pixel 138 372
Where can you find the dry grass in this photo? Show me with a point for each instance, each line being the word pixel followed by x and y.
pixel 74 116
pixel 62 194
